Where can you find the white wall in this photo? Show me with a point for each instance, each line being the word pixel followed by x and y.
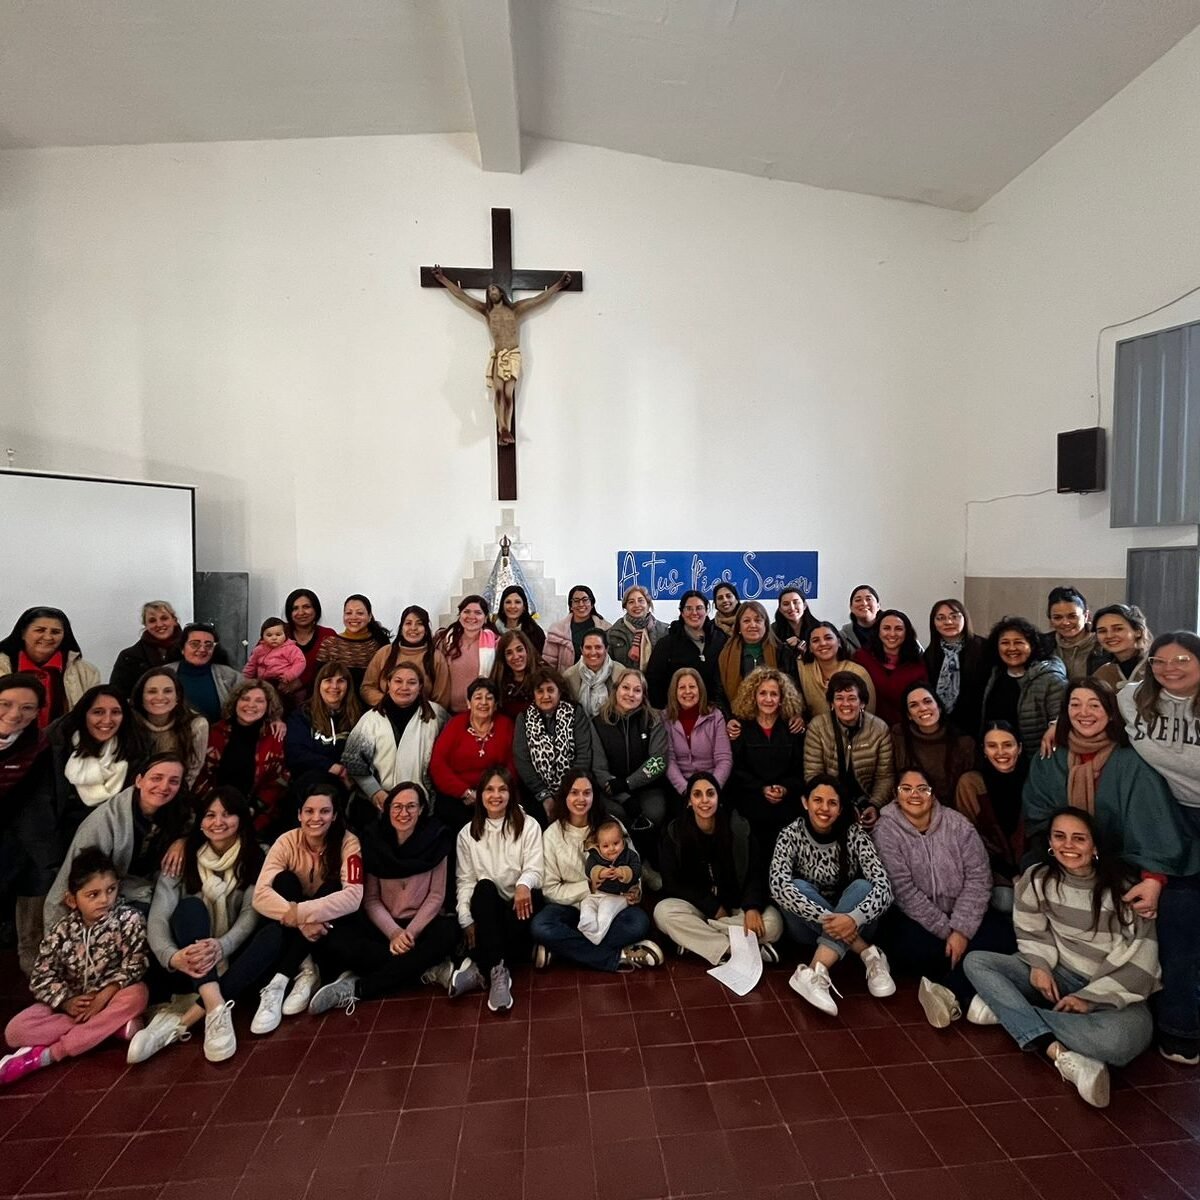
pixel 752 364
pixel 748 366
pixel 1099 230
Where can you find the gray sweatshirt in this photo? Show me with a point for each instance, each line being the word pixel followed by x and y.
pixel 1169 741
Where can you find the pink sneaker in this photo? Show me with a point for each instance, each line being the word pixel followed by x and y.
pixel 20 1063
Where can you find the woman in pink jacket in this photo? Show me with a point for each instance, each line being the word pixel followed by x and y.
pixel 696 736
pixel 312 878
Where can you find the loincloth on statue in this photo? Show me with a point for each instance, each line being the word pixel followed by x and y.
pixel 503 366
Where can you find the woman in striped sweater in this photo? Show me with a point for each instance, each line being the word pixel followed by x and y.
pixel 1086 963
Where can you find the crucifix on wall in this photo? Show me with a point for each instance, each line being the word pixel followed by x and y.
pixel 503 316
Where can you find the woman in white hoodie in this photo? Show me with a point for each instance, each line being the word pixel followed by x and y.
pixel 1162 718
pixel 499 868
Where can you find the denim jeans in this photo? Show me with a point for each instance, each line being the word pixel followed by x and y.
pixel 1177 1006
pixel 809 933
pixel 1112 1035
pixel 555 927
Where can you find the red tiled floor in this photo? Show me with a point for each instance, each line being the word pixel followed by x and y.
pixel 643 1087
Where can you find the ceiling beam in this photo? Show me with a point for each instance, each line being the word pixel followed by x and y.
pixel 485 27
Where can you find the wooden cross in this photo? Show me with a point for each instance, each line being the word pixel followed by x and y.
pixel 502 274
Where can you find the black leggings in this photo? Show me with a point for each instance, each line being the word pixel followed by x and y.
pixel 499 935
pixel 190 923
pixel 357 945
pixel 913 950
pixel 281 949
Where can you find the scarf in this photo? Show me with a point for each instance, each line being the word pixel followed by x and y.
pixel 640 645
pixel 551 738
pixel 1085 760
pixel 50 674
pixel 398 717
pixel 1004 792
pixel 593 686
pixel 949 679
pixel 238 766
pixel 1075 654
pixel 218 883
pixel 386 857
pixel 96 778
pixel 725 624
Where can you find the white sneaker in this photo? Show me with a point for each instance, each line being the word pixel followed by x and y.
pixel 939 1003
pixel 980 1014
pixel 814 985
pixel 879 978
pixel 270 1006
pixel 220 1042
pixel 1088 1075
pixel 307 980
pixel 164 1029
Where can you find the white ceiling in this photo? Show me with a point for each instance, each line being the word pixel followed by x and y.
pixel 939 101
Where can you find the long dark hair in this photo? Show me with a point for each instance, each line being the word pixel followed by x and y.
pixel 292 597
pixel 181 718
pixel 525 621
pixel 331 859
pixel 318 713
pixel 843 651
pixel 170 821
pixel 502 673
pixel 514 814
pixel 381 633
pixel 1114 730
pixel 250 855
pixel 129 744
pixel 449 640
pixel 842 824
pixel 910 648
pixel 1112 875
pixel 15 642
pixel 908 734
pixel 783 627
pixel 413 610
pixel 597 814
pixel 689 831
pixel 1028 630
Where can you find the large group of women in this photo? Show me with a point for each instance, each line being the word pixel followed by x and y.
pixel 1011 822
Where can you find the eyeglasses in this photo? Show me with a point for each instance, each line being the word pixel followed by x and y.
pixel 194 645
pixel 1176 660
pixel 406 808
pixel 915 789
pixel 950 618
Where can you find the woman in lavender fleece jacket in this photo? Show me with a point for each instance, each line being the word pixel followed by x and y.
pixel 942 883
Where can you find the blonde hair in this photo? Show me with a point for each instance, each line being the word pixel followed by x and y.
pixel 608 710
pixel 158 606
pixel 745 707
pixel 274 704
pixel 637 587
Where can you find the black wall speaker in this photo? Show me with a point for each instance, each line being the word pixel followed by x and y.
pixel 1082 457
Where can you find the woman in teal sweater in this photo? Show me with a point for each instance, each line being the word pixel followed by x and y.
pixel 1095 769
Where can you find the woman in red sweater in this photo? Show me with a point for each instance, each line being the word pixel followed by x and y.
pixel 892 657
pixel 472 742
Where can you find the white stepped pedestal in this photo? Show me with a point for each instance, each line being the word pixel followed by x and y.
pixel 551 606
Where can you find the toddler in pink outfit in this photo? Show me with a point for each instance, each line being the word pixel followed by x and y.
pixel 276 658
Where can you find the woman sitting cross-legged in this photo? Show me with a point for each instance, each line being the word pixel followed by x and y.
pixel 312 878
pixel 713 878
pixel 499 867
pixel 201 922
pixel 832 888
pixel 400 933
pixel 1086 963
pixel 565 886
pixel 942 883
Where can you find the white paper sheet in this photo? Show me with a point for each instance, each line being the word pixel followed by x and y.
pixel 743 968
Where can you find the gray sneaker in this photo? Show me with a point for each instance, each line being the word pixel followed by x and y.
pixel 338 994
pixel 440 975
pixel 466 977
pixel 500 993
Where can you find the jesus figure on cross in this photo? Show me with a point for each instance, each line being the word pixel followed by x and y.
pixel 504 362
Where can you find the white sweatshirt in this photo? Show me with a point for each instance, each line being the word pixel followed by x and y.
pixel 507 863
pixel 1169 741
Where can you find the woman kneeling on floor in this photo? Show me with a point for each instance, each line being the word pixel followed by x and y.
pixel 199 927
pixel 499 867
pixel 713 878
pixel 942 882
pixel 559 927
pixel 312 877
pixel 828 880
pixel 1086 962
pixel 400 934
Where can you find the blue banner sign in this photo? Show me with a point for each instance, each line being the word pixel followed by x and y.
pixel 757 574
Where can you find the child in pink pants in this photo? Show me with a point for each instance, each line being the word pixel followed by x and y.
pixel 87 979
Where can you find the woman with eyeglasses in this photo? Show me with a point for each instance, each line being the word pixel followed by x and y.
pixel 692 641
pixel 400 932
pixel 1162 718
pixel 564 639
pixel 956 664
pixel 941 882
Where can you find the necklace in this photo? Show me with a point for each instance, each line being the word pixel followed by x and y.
pixel 481 739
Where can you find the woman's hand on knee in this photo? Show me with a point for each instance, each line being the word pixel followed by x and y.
pixel 523 903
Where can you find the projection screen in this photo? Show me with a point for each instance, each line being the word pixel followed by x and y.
pixel 98 549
